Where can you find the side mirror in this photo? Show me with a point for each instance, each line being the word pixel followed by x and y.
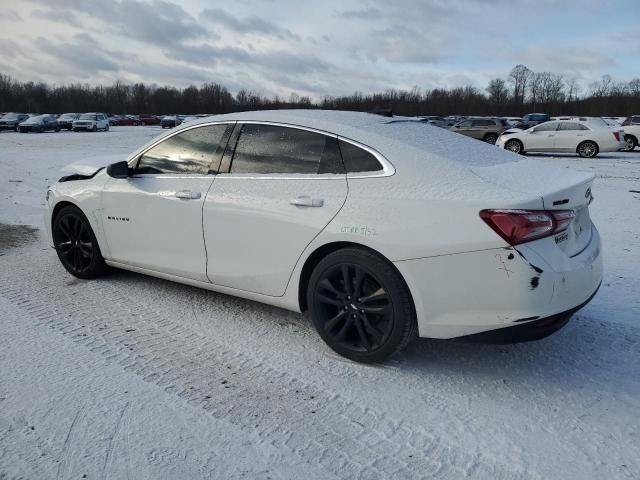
pixel 118 170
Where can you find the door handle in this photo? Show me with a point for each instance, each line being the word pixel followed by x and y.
pixel 306 201
pixel 188 195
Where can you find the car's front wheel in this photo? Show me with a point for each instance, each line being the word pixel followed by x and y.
pixel 514 146
pixel 588 149
pixel 360 305
pixel 76 244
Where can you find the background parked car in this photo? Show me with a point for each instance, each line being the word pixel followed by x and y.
pixel 586 138
pixel 532 119
pixel 91 122
pixel 434 120
pixel 66 120
pixel 168 121
pixel 39 124
pixel 631 132
pixel 146 119
pixel 486 129
pixel 128 120
pixel 513 122
pixel 10 121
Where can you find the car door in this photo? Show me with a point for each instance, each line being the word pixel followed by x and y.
pixel 569 135
pixel 541 137
pixel 284 185
pixel 153 219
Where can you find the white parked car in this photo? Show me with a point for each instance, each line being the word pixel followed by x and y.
pixel 91 122
pixel 586 137
pixel 631 127
pixel 381 229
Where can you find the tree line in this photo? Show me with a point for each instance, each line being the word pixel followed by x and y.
pixel 521 92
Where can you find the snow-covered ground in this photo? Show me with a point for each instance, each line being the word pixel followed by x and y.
pixel 135 377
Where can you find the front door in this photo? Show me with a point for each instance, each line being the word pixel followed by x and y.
pixel 283 187
pixel 541 138
pixel 153 219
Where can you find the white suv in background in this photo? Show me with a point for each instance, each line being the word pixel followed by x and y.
pixel 631 132
pixel 91 122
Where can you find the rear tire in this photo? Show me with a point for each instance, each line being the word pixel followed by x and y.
pixel 587 149
pixel 491 138
pixel 514 145
pixel 106 129
pixel 631 143
pixel 76 244
pixel 360 305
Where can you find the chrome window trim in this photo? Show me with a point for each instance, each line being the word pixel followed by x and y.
pixel 387 167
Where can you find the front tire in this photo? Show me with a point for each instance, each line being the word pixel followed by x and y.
pixel 95 128
pixel 514 146
pixel 76 244
pixel 588 149
pixel 360 305
pixel 631 143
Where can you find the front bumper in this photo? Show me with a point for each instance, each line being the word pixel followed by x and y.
pixel 8 126
pixel 469 293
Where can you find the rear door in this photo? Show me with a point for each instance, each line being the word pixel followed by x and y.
pixel 284 185
pixel 153 219
pixel 569 135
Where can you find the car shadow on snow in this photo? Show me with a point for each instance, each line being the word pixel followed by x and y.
pixel 573 156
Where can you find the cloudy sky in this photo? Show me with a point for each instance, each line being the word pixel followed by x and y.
pixel 316 48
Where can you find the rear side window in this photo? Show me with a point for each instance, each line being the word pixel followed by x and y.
pixel 197 150
pixel 357 159
pixel 272 149
pixel 564 126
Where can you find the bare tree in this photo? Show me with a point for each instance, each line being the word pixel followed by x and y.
pixel 519 78
pixel 497 91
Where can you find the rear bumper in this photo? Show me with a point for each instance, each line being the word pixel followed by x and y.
pixel 469 293
pixel 533 330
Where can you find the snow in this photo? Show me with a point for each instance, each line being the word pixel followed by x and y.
pixel 135 377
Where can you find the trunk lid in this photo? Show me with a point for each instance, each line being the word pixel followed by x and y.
pixel 558 188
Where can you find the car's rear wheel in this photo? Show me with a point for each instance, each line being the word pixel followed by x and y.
pixel 491 138
pixel 514 146
pixel 76 244
pixel 360 305
pixel 588 149
pixel 631 142
pixel 106 129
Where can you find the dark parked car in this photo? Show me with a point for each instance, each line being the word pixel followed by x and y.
pixel 10 121
pixel 66 120
pixel 486 129
pixel 39 124
pixel 146 119
pixel 532 119
pixel 127 120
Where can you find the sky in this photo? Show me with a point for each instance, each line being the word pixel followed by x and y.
pixel 279 47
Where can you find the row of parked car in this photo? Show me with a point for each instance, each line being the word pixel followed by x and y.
pixel 538 132
pixel 93 121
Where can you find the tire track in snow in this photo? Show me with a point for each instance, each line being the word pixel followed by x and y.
pixel 319 427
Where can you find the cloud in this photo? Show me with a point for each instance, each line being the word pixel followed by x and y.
pixel 564 59
pixel 250 25
pixel 84 54
pixel 370 13
pixel 10 16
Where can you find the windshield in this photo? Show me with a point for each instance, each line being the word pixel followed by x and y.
pixel 38 118
pixel 88 116
pixel 10 116
pixel 66 116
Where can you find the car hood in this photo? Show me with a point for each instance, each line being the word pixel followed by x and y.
pixel 89 166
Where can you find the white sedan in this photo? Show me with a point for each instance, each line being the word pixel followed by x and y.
pixel 586 137
pixel 379 228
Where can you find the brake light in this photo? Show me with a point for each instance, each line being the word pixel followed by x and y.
pixel 617 135
pixel 520 226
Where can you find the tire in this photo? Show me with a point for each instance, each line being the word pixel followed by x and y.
pixel 631 141
pixel 95 128
pixel 491 138
pixel 514 145
pixel 76 244
pixel 587 149
pixel 75 129
pixel 351 316
pixel 106 129
pixel 57 129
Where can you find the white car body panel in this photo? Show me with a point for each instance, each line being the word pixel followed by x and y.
pixel 243 237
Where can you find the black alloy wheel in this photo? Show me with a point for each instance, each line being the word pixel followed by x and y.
pixel 360 305
pixel 76 244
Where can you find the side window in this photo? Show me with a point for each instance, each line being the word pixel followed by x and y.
pixel 565 126
pixel 465 124
pixel 197 150
pixel 635 120
pixel 357 159
pixel 546 127
pixel 272 149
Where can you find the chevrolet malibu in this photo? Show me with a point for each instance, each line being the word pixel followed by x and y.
pixel 379 228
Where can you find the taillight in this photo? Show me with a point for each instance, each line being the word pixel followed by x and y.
pixel 520 226
pixel 617 135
